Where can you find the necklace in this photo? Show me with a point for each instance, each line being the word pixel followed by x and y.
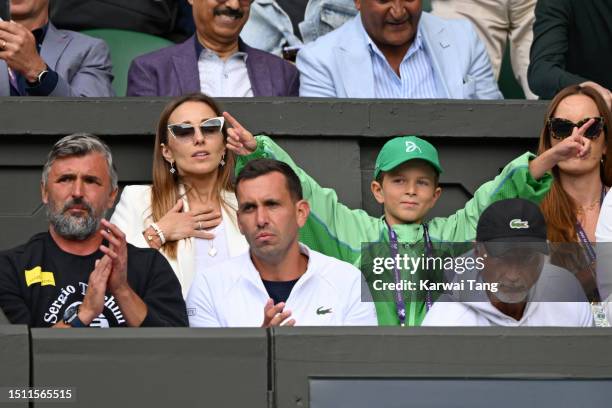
pixel 594 205
pixel 212 251
pixel 590 207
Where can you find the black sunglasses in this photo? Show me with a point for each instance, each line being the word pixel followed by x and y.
pixel 561 128
pixel 186 131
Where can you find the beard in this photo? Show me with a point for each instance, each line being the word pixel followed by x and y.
pixel 77 228
pixel 515 296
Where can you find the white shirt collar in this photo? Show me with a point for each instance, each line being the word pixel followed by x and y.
pixel 252 274
pixel 208 54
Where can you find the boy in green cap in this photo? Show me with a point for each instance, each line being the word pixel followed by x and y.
pixel 406 184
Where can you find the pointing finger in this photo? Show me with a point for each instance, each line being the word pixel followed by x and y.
pixel 232 121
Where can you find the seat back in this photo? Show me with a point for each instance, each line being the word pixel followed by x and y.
pixel 124 47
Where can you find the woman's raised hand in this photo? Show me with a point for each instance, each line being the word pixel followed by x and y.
pixel 239 140
pixel 574 146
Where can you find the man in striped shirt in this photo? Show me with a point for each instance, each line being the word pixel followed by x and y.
pixel 392 49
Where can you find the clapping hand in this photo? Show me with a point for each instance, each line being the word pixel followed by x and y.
pixel 117 252
pixel 275 315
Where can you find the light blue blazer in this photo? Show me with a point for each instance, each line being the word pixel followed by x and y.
pixel 269 27
pixel 339 65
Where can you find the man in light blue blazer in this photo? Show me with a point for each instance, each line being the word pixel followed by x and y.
pixel 37 59
pixel 393 49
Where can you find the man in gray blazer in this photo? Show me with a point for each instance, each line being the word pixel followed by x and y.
pixel 37 59
pixel 214 61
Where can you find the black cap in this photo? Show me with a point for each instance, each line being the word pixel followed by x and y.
pixel 515 222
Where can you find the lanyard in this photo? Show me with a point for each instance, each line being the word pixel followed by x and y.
pixel 584 240
pixel 400 304
pixel 583 236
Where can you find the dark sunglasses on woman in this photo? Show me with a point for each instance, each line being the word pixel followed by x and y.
pixel 561 128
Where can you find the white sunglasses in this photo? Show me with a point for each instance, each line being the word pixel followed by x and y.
pixel 186 131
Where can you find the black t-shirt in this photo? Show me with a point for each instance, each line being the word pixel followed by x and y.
pixel 39 281
pixel 279 291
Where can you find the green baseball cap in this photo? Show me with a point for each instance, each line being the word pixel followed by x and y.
pixel 401 149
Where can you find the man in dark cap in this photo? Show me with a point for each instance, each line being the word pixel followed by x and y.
pixel 514 285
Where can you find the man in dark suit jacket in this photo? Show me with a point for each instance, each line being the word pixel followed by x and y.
pixel 38 59
pixel 214 61
pixel 571 46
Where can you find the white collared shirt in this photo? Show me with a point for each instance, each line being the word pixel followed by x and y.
pixel 232 294
pixel 219 78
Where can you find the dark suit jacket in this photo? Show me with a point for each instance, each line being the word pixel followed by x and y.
pixel 173 71
pixel 572 43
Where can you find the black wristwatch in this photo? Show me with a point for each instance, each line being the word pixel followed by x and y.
pixel 71 317
pixel 39 78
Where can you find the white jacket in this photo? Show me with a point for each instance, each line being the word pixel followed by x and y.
pixel 232 294
pixel 133 215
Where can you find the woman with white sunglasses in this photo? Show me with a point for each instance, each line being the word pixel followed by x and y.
pixel 189 212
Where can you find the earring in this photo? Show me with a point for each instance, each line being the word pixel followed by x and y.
pixel 222 162
pixel 172 169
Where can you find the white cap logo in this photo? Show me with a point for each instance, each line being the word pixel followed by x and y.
pixel 517 223
pixel 411 147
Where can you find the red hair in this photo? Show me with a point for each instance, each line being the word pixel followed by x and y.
pixel 558 207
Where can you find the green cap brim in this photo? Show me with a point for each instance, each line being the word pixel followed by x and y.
pixel 394 164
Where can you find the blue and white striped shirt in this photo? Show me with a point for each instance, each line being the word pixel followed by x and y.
pixel 417 79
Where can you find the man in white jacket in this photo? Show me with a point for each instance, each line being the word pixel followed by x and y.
pixel 511 244
pixel 279 281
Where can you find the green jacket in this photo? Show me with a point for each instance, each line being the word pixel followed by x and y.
pixel 338 231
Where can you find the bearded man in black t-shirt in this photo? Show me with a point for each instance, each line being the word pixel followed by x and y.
pixel 82 273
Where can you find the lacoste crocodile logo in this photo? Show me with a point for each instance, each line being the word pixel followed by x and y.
pixel 321 311
pixel 519 224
